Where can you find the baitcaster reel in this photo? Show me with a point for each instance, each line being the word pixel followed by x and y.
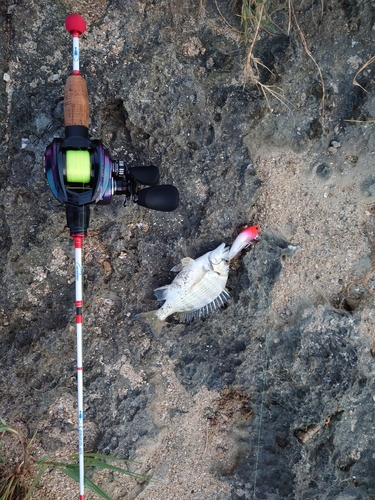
pixel 80 172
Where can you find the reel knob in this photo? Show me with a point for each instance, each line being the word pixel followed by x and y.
pixel 164 198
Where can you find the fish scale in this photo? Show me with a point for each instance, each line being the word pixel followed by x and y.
pixel 210 286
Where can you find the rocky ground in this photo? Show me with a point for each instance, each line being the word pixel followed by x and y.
pixel 272 397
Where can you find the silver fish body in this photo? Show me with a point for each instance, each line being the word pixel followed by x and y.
pixel 198 289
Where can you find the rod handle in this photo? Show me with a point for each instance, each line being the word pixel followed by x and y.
pixel 76 102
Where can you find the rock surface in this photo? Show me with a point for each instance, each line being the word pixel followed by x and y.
pixel 273 396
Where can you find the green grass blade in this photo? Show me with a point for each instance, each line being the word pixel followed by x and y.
pixel 44 460
pixel 8 428
pixel 36 481
pixel 102 465
pixel 107 457
pixel 95 488
pixel 73 472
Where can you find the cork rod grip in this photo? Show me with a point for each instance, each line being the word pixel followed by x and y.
pixel 76 102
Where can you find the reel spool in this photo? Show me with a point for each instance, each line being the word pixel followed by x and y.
pixel 78 166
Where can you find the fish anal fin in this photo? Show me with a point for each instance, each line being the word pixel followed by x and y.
pixel 186 317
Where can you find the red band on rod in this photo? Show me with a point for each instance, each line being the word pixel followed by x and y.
pixel 79 318
pixel 79 368
pixel 77 240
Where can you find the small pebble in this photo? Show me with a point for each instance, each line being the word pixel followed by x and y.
pixel 107 266
pixel 6 77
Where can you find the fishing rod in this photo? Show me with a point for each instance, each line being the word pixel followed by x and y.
pixel 81 173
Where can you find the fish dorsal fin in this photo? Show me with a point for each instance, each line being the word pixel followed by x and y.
pixel 185 262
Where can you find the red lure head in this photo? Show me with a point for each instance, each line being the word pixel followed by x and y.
pixel 251 232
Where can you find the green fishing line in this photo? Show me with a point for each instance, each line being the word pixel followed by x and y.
pixel 78 166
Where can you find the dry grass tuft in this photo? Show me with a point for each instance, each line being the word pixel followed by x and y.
pixel 372 59
pixel 16 467
pixel 251 71
pixel 252 62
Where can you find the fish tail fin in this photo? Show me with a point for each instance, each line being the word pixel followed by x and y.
pixel 152 320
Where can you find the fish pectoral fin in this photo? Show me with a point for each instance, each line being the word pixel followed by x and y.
pixel 185 262
pixel 152 321
pixel 161 292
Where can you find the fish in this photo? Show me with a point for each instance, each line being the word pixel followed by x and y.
pixel 200 285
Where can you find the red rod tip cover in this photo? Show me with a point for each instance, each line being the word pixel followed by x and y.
pixel 74 23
